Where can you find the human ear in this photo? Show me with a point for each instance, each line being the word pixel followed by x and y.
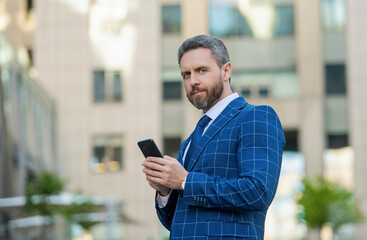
pixel 227 70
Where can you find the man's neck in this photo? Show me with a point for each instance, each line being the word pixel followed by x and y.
pixel 223 96
pixel 220 106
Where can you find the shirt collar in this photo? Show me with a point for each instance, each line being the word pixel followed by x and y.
pixel 214 112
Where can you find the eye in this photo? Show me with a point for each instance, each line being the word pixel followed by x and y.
pixel 185 75
pixel 202 70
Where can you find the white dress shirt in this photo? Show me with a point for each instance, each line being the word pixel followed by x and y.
pixel 213 113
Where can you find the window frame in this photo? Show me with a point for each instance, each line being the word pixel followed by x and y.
pixel 108 162
pixel 109 90
pixel 335 82
pixel 174 27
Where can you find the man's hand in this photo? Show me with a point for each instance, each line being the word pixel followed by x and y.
pixel 163 191
pixel 166 172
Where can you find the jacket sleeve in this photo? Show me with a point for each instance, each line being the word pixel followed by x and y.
pixel 259 155
pixel 166 213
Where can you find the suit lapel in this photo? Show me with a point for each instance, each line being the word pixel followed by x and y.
pixel 224 117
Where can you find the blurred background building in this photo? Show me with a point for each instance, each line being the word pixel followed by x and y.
pixel 83 81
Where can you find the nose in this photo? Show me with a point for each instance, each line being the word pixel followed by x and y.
pixel 194 80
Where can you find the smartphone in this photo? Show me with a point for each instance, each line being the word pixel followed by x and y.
pixel 149 148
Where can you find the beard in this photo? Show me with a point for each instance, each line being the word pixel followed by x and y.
pixel 208 101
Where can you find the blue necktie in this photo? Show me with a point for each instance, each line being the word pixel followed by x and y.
pixel 196 135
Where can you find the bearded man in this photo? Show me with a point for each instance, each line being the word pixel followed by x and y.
pixel 227 170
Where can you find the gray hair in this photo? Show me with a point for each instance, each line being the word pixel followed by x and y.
pixel 216 46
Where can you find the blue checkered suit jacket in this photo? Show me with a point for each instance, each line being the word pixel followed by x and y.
pixel 232 178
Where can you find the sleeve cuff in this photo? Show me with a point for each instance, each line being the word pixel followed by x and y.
pixel 162 201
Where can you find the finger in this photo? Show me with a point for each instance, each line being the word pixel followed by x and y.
pixel 153 173
pixel 171 161
pixel 157 160
pixel 148 171
pixel 155 180
pixel 150 181
pixel 153 165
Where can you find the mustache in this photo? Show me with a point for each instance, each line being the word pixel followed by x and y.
pixel 196 89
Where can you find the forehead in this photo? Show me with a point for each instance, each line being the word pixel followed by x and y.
pixel 197 57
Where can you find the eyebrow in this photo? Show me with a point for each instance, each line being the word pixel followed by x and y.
pixel 197 68
pixel 201 67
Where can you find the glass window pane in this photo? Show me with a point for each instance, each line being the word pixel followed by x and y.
pixel 116 160
pixel 107 153
pixel 286 84
pixel 333 15
pixel 220 21
pixel 335 78
pixel 258 19
pixel 284 21
pixel 117 154
pixel 172 90
pixel 99 86
pixel 171 19
pixel 225 21
pixel 291 139
pixel 117 86
pixel 98 159
pixel 337 141
pixel 171 146
pixel 241 23
pixel 280 83
pixel 246 92
pixel 29 5
pixel 263 92
pixel 99 153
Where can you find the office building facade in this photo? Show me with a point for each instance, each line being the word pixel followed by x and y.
pixel 111 67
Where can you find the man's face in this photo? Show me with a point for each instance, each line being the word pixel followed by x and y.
pixel 202 78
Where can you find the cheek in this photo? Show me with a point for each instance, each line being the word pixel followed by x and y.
pixel 211 81
pixel 187 87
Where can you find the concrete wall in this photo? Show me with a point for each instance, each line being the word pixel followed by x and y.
pixel 356 36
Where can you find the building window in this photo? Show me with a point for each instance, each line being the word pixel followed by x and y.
pixel 335 79
pixel 337 141
pixel 333 14
pixel 171 146
pixel 257 19
pixel 277 83
pixel 28 8
pixel 171 84
pixel 246 92
pixel 171 19
pixel 284 21
pixel 291 138
pixel 263 92
pixel 226 21
pixel 107 86
pixel 107 154
pixel 30 56
pixel 172 90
